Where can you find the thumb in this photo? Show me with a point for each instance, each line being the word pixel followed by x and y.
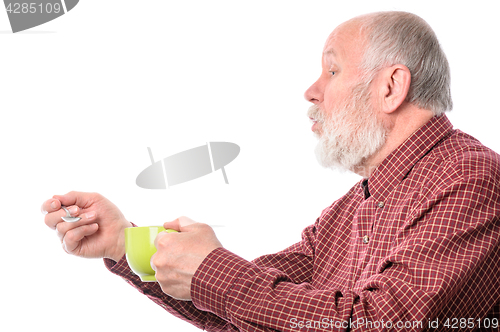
pixel 180 224
pixel 74 198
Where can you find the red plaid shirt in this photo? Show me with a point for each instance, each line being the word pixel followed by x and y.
pixel 415 247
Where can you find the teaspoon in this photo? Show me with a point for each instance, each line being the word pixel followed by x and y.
pixel 68 217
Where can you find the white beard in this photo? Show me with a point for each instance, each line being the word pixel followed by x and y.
pixel 350 134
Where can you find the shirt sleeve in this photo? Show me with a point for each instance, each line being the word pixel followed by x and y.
pixel 296 260
pixel 443 264
pixel 184 310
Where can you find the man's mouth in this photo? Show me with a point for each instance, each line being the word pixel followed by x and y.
pixel 316 118
pixel 314 124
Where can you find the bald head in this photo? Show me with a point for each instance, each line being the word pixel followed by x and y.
pixel 405 38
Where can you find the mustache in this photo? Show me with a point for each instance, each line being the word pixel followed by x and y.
pixel 315 114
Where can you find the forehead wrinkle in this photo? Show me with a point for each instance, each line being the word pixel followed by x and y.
pixel 346 44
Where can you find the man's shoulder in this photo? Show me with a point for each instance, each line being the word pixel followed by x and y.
pixel 460 157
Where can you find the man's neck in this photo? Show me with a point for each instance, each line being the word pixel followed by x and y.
pixel 403 125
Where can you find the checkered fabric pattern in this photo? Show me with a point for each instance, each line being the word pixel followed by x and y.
pixel 414 247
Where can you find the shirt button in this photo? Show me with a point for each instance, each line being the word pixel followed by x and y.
pixel 380 204
pixel 366 239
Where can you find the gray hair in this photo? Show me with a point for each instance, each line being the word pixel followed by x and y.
pixel 404 38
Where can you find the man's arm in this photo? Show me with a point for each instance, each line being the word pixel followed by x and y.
pixel 180 309
pixel 449 247
pixel 297 260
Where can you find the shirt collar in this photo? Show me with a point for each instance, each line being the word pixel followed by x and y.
pixel 399 162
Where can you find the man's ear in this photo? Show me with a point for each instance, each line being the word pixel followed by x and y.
pixel 395 84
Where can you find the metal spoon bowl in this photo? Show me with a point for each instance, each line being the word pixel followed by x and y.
pixel 68 217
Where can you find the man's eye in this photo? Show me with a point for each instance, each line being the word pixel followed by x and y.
pixel 332 72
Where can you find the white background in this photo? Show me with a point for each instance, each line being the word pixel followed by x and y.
pixel 83 96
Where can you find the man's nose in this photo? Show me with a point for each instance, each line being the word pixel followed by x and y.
pixel 314 93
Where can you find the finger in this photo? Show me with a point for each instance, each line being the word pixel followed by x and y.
pixel 153 266
pixel 160 235
pixel 179 224
pixel 63 227
pixel 72 239
pixel 158 238
pixel 80 199
pixel 50 205
pixel 54 218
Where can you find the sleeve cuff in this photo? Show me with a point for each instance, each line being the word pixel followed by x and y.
pixel 113 266
pixel 214 279
pixel 122 269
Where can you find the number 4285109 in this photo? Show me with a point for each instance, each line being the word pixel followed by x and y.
pixel 455 323
pixel 33 8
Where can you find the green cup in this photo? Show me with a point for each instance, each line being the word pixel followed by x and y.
pixel 139 247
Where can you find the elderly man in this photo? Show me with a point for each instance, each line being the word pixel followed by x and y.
pixel 414 245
